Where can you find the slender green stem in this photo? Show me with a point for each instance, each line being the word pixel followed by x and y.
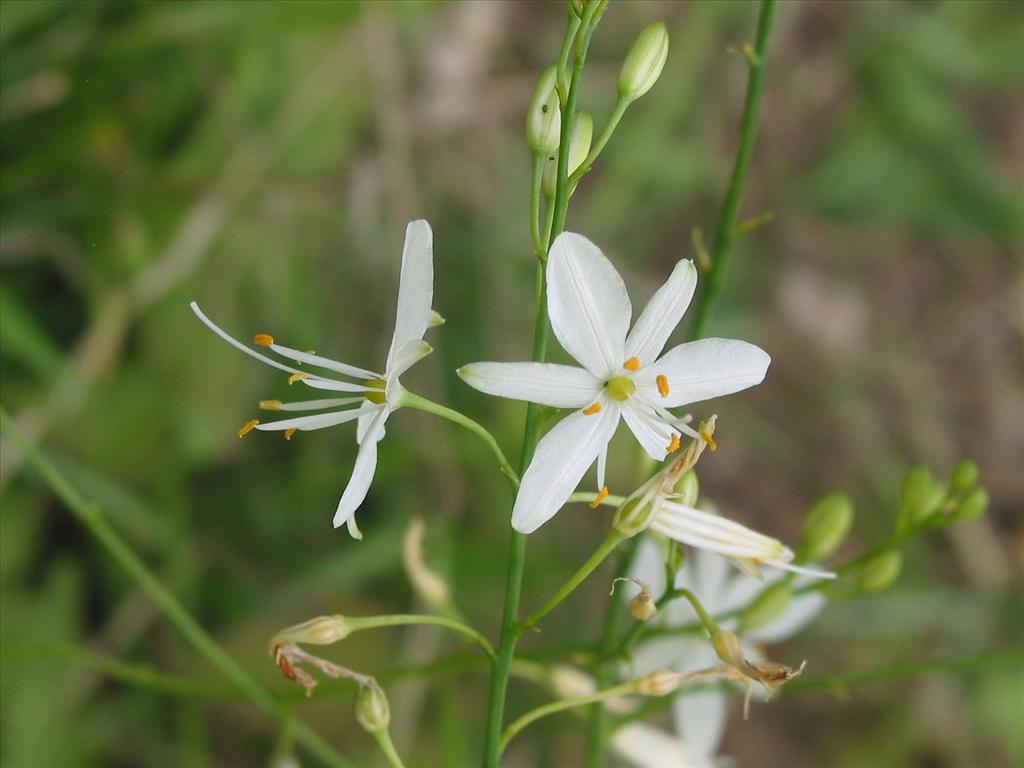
pixel 602 140
pixel 387 746
pixel 563 704
pixel 423 404
pixel 405 619
pixel 612 540
pixel 531 431
pixel 563 57
pixel 91 516
pixel 725 231
pixel 539 248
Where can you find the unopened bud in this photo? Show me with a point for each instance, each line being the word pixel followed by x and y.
pixel 372 709
pixel 880 571
pixel 727 648
pixel 323 630
pixel 543 118
pixel 826 526
pixel 767 607
pixel 633 516
pixel 644 62
pixel 676 556
pixel 963 477
pixel 687 489
pixel 579 146
pixel 660 682
pixel 972 506
pixel 920 497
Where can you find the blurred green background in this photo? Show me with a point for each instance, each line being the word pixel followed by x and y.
pixel 263 158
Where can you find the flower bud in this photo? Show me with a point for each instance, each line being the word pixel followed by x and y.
pixel 543 118
pixel 727 648
pixel 920 497
pixel 963 477
pixel 880 571
pixel 372 709
pixel 642 607
pixel 323 630
pixel 826 526
pixel 660 682
pixel 687 489
pixel 767 607
pixel 644 62
pixel 972 506
pixel 579 146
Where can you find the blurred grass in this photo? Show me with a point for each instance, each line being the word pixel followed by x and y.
pixel 263 158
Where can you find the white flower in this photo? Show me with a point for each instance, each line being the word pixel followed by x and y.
pixel 373 396
pixel 622 375
pixel 699 717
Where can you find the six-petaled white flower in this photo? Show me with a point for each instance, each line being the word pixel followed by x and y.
pixel 372 397
pixel 622 374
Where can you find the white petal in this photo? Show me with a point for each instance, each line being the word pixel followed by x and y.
pixel 560 386
pixel 649 564
pixel 237 344
pixel 800 612
pixel 602 464
pixel 415 286
pixel 652 435
pixel 324 362
pixel 407 356
pixel 562 457
pixel 362 473
pixel 645 746
pixel 700 718
pixel 363 426
pixel 662 314
pixel 588 304
pixel 701 370
pixel 317 421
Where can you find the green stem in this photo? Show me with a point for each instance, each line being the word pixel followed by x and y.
pixel 607 546
pixel 602 140
pixel 531 431
pixel 562 705
pixel 387 746
pixel 423 404
pixel 725 232
pixel 539 248
pixel 405 619
pixel 91 516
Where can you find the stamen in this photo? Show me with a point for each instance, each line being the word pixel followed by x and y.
pixel 674 445
pixel 297 376
pixel 601 496
pixel 706 435
pixel 271 405
pixel 248 427
pixel 633 364
pixel 289 432
pixel 662 381
pixel 590 410
pixel 263 339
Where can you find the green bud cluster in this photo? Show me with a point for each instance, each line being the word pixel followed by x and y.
pixel 924 500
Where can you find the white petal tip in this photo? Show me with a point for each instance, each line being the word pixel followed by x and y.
pixel 434 319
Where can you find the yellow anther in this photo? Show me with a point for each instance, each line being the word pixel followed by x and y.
pixel 662 381
pixel 674 445
pixel 263 339
pixel 590 410
pixel 633 364
pixel 271 405
pixel 297 376
pixel 601 496
pixel 706 435
pixel 248 427
pixel 289 432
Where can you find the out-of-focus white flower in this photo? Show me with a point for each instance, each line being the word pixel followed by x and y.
pixel 622 374
pixel 699 717
pixel 372 396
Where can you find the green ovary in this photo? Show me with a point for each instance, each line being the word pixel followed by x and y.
pixel 376 395
pixel 620 387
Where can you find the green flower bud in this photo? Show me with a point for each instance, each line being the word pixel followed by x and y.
pixel 372 709
pixel 543 118
pixel 579 147
pixel 880 571
pixel 688 489
pixel 767 607
pixel 676 556
pixel 644 62
pixel 826 526
pixel 920 498
pixel 963 477
pixel 972 506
